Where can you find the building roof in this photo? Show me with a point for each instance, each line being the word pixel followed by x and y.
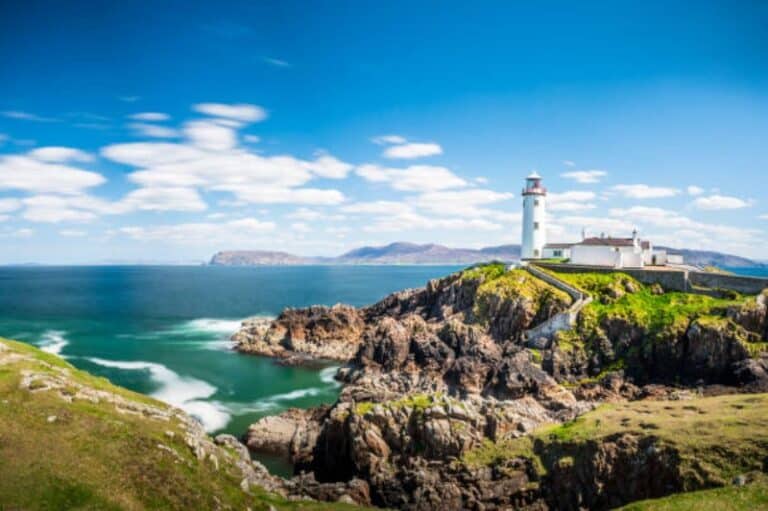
pixel 559 245
pixel 533 175
pixel 614 242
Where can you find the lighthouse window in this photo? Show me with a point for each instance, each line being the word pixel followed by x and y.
pixel 536 202
pixel 535 226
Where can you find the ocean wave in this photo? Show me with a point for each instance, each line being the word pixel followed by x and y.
pixel 187 393
pixel 53 341
pixel 328 375
pixel 212 325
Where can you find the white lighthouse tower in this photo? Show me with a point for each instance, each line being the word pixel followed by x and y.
pixel 534 218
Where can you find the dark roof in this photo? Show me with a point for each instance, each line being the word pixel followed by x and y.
pixel 614 242
pixel 559 245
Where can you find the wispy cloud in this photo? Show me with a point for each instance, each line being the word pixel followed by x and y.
pixel 642 191
pixel 717 202
pixel 412 150
pixel 585 176
pixel 27 116
pixel 694 190
pixel 239 112
pixel 149 116
pixel 276 62
pixel 153 130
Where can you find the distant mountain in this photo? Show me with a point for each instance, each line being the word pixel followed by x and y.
pixel 257 257
pixel 431 253
pixel 394 253
pixel 711 258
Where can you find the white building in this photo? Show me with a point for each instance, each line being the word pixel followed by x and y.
pixel 534 218
pixel 596 251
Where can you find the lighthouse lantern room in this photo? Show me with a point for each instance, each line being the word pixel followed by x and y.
pixel 534 218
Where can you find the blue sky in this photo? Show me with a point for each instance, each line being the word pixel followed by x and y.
pixel 165 131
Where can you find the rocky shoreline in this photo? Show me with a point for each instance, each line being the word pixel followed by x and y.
pixel 435 375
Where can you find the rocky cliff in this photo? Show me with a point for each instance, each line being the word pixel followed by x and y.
pixel 443 406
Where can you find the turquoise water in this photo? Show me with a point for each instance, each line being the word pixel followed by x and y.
pixel 758 271
pixel 164 330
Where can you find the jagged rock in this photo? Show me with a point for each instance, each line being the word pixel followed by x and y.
pixel 332 333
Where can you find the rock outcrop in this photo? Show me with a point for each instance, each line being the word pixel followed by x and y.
pixel 435 374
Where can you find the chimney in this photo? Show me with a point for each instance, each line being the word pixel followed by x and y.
pixel 635 240
pixel 583 234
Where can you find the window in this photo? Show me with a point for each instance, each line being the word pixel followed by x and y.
pixel 536 202
pixel 535 226
pixel 536 252
pixel 557 253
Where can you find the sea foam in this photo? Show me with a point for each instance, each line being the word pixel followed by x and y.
pixel 53 341
pixel 186 393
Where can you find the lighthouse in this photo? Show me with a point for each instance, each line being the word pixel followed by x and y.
pixel 534 218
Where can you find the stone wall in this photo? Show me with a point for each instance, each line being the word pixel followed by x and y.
pixel 541 335
pixel 670 280
pixel 675 280
pixel 746 285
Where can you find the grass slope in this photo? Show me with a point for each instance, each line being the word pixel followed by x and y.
pixel 88 444
pixel 716 439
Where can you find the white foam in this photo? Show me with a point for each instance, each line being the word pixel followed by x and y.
pixel 53 341
pixel 186 393
pixel 214 326
pixel 328 375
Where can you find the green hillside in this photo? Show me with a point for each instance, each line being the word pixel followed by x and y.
pixel 69 440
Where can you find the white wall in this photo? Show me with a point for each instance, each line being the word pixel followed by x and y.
pixel 549 253
pixel 534 212
pixel 595 255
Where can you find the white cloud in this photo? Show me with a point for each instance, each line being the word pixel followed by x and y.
pixel 3 138
pixel 210 135
pixel 381 207
pixel 162 199
pixel 55 154
pixel 642 191
pixel 301 227
pixel 610 226
pixel 717 202
pixel 239 112
pixel 389 139
pixel 31 175
pixel 22 233
pixel 276 62
pixel 9 205
pixel 682 229
pixel 72 233
pixel 329 167
pixel 569 163
pixel 252 139
pixel 585 176
pixel 305 214
pixel 150 116
pixel 233 231
pixel 26 116
pixel 414 221
pixel 763 217
pixel 153 130
pixel 414 178
pixel 129 99
pixel 571 201
pixel 412 150
pixel 695 190
pixel 248 176
pixel 463 203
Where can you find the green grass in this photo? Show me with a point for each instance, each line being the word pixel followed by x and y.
pixel 417 402
pixel 94 457
pixel 717 438
pixel 661 317
pixel 497 283
pixel 750 497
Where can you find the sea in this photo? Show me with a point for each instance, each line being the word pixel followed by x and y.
pixel 164 330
